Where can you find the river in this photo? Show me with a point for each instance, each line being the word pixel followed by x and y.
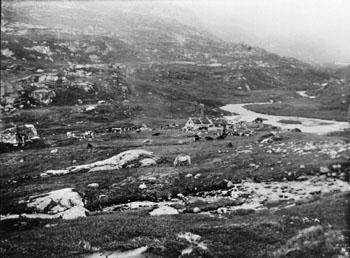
pixel 307 125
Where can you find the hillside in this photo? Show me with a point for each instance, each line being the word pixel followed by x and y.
pixel 143 62
pixel 97 159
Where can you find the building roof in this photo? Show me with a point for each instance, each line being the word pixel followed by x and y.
pixel 201 120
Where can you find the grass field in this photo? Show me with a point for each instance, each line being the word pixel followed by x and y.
pixel 236 234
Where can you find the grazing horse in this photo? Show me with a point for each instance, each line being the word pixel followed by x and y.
pixel 182 160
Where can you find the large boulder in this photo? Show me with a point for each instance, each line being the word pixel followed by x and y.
pixel 43 95
pixel 164 210
pixel 19 134
pixel 64 203
pixel 130 158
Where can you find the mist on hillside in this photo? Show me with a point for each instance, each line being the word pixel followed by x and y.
pixel 316 31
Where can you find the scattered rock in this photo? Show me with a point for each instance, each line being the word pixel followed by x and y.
pixel 196 210
pixel 197 175
pixel 93 185
pixel 142 186
pixel 336 166
pixel 50 225
pixel 302 178
pixel 324 170
pixel 190 237
pixel 147 141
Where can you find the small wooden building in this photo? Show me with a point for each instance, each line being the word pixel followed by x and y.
pixel 198 123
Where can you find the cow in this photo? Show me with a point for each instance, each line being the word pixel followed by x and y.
pixel 182 160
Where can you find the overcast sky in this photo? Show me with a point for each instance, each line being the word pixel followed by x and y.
pixel 323 26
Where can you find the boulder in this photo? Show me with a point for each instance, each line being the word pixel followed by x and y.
pixel 52 172
pixel 74 213
pixel 164 210
pixel 130 158
pixel 93 185
pixel 142 186
pixel 64 203
pixel 196 210
pixel 148 162
pixel 324 170
pixel 43 96
pixel 19 134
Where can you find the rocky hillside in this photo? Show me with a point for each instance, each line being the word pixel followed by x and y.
pixel 136 57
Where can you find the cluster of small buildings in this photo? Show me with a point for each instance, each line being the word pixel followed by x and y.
pixel 221 125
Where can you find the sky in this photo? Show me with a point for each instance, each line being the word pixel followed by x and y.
pixel 318 30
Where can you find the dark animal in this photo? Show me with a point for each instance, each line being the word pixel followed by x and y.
pixel 221 137
pixel 230 145
pixel 156 134
pixel 196 137
pixel 209 138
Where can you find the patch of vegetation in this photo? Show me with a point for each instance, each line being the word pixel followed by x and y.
pixel 289 121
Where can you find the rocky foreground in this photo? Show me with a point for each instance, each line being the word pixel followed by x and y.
pixel 271 193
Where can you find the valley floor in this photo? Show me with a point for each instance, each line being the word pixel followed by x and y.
pixel 239 200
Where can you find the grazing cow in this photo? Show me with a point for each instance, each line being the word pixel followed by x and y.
pixel 182 160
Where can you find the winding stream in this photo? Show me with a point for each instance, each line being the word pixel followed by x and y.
pixel 307 125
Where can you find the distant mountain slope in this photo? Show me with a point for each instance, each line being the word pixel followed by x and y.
pixel 135 54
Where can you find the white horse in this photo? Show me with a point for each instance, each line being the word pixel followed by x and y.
pixel 182 160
